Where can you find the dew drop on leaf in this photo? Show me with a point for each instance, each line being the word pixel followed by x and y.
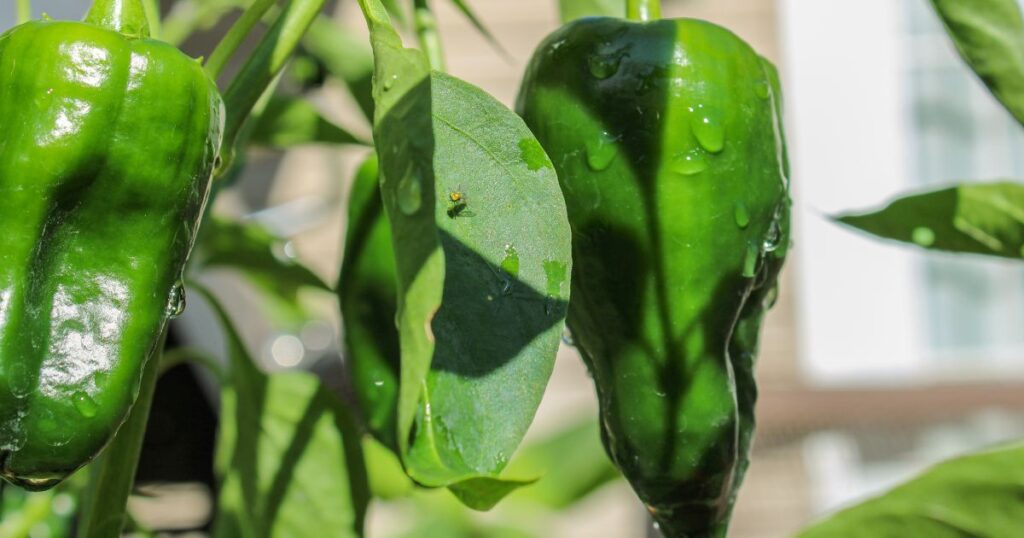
pixel 923 236
pixel 410 192
pixel 510 264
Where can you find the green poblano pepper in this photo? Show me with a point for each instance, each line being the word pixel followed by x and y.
pixel 668 145
pixel 108 141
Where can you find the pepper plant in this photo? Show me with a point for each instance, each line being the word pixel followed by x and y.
pixel 640 191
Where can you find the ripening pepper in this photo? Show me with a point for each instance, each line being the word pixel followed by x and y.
pixel 668 146
pixel 108 140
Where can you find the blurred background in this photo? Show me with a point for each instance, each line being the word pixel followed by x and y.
pixel 877 361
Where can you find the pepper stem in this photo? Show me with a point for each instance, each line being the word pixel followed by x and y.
pixel 125 16
pixel 643 10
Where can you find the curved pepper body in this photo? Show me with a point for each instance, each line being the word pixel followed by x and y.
pixel 107 146
pixel 668 146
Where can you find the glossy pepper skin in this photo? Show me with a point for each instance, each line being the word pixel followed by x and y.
pixel 668 146
pixel 107 145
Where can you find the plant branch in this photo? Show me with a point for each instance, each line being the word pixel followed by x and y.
pixel 152 9
pixel 643 10
pixel 233 39
pixel 24 11
pixel 426 32
pixel 112 475
pixel 269 58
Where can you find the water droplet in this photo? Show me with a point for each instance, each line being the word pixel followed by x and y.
pixel 389 82
pixel 603 66
pixel 85 405
pixel 176 301
pixel 689 163
pixel 707 127
pixel 741 215
pixel 35 484
pixel 923 236
pixel 556 275
pixel 378 383
pixel 774 237
pixel 533 154
pixel 510 264
pixel 410 192
pixel 750 260
pixel 762 89
pixel 601 152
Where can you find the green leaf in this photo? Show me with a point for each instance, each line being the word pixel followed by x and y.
pixel 576 9
pixel 989 34
pixel 263 259
pixel 571 464
pixel 344 56
pixel 386 476
pixel 288 457
pixel 977 218
pixel 975 495
pixel 481 243
pixel 293 121
pixel 368 297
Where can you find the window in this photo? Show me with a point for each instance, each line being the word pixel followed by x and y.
pixel 880 105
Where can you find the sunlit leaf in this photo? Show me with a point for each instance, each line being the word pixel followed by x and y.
pixel 972 496
pixel 288 455
pixel 989 34
pixel 481 246
pixel 977 218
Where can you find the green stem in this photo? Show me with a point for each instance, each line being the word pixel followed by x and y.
pixel 152 8
pixel 426 32
pixel 24 11
pixel 235 36
pixel 643 10
pixel 125 16
pixel 269 58
pixel 112 475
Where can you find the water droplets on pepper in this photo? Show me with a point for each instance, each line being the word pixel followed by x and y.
pixel 601 151
pixel 176 301
pixel 86 406
pixel 689 163
pixel 410 192
pixel 773 239
pixel 603 66
pixel 762 89
pixel 741 215
pixel 706 124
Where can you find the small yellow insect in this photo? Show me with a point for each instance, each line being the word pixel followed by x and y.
pixel 455 197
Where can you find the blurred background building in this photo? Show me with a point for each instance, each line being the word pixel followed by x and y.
pixel 877 361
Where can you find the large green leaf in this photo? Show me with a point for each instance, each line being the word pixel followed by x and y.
pixel 288 456
pixel 989 34
pixel 978 218
pixel 293 121
pixel 368 297
pixel 481 243
pixel 973 496
pixel 576 9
